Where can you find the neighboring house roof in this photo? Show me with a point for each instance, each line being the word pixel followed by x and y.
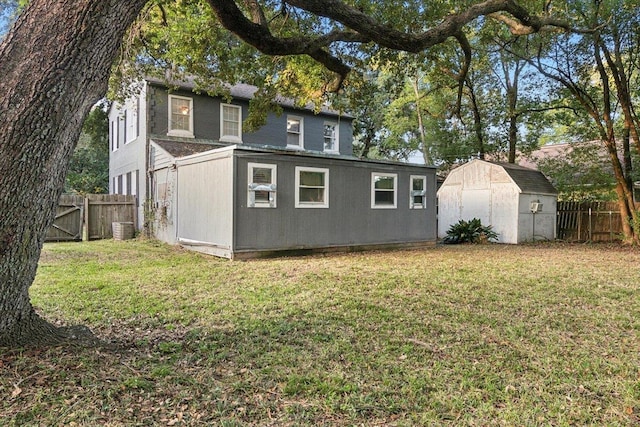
pixel 529 180
pixel 247 92
pixel 544 152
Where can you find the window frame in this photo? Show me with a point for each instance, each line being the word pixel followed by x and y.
pixel 412 192
pixel 374 175
pixel 180 132
pixel 251 202
pixel 113 134
pixel 230 138
pixel 300 133
pixel 336 137
pixel 131 123
pixel 311 205
pixel 121 124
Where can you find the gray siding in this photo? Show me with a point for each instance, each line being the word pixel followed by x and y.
pixel 206 122
pixel 349 219
pixel 206 118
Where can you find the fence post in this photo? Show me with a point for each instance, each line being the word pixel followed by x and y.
pixel 579 222
pixel 610 226
pixel 85 219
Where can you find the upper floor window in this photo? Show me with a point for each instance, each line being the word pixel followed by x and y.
pixel 262 186
pixel 122 129
pixel 113 135
pixel 417 195
pixel 383 190
pixel 312 187
pixel 230 123
pixel 131 121
pixel 294 132
pixel 331 137
pixel 180 116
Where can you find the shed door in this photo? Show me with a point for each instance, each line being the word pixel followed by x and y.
pixel 476 204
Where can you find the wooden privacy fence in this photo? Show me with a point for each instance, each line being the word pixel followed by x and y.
pixel 90 217
pixel 593 221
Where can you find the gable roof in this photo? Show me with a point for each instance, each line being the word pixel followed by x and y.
pixel 529 180
pixel 246 92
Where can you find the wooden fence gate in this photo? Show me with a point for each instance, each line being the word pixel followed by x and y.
pixel 589 222
pixel 68 222
pixel 90 217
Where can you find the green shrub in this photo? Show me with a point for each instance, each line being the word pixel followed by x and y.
pixel 470 232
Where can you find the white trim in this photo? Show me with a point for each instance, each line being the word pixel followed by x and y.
pixel 422 178
pixel 113 134
pixel 373 190
pixel 300 133
pixel 336 137
pixel 325 202
pixel 251 203
pixel 131 122
pixel 180 132
pixel 230 138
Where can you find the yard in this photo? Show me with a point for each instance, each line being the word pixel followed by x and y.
pixel 545 334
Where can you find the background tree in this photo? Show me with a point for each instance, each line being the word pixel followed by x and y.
pixel 595 81
pixel 580 172
pixel 89 167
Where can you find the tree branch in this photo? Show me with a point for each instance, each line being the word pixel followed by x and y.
pixel 259 36
pixel 257 14
pixel 361 28
pixel 389 37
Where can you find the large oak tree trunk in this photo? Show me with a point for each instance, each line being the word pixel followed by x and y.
pixel 54 65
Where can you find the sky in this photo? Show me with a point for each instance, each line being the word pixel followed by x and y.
pixel 5 14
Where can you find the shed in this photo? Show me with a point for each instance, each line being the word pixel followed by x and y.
pixel 241 201
pixel 518 202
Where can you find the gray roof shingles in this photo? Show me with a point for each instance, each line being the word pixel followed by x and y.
pixel 529 180
pixel 182 149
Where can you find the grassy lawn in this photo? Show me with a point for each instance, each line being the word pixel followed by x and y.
pixel 544 334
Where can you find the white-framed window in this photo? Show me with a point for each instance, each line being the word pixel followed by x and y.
pixel 295 132
pixel 418 192
pixel 113 135
pixel 230 123
pixel 180 116
pixel 330 134
pixel 262 179
pixel 312 187
pixel 384 194
pixel 131 119
pixel 122 129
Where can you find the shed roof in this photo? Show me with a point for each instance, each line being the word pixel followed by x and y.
pixel 529 180
pixel 182 149
pixel 178 147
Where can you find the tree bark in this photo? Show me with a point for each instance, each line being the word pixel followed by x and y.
pixel 426 156
pixel 477 120
pixel 512 105
pixel 54 64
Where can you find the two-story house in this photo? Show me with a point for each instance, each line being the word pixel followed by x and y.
pixel 293 184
